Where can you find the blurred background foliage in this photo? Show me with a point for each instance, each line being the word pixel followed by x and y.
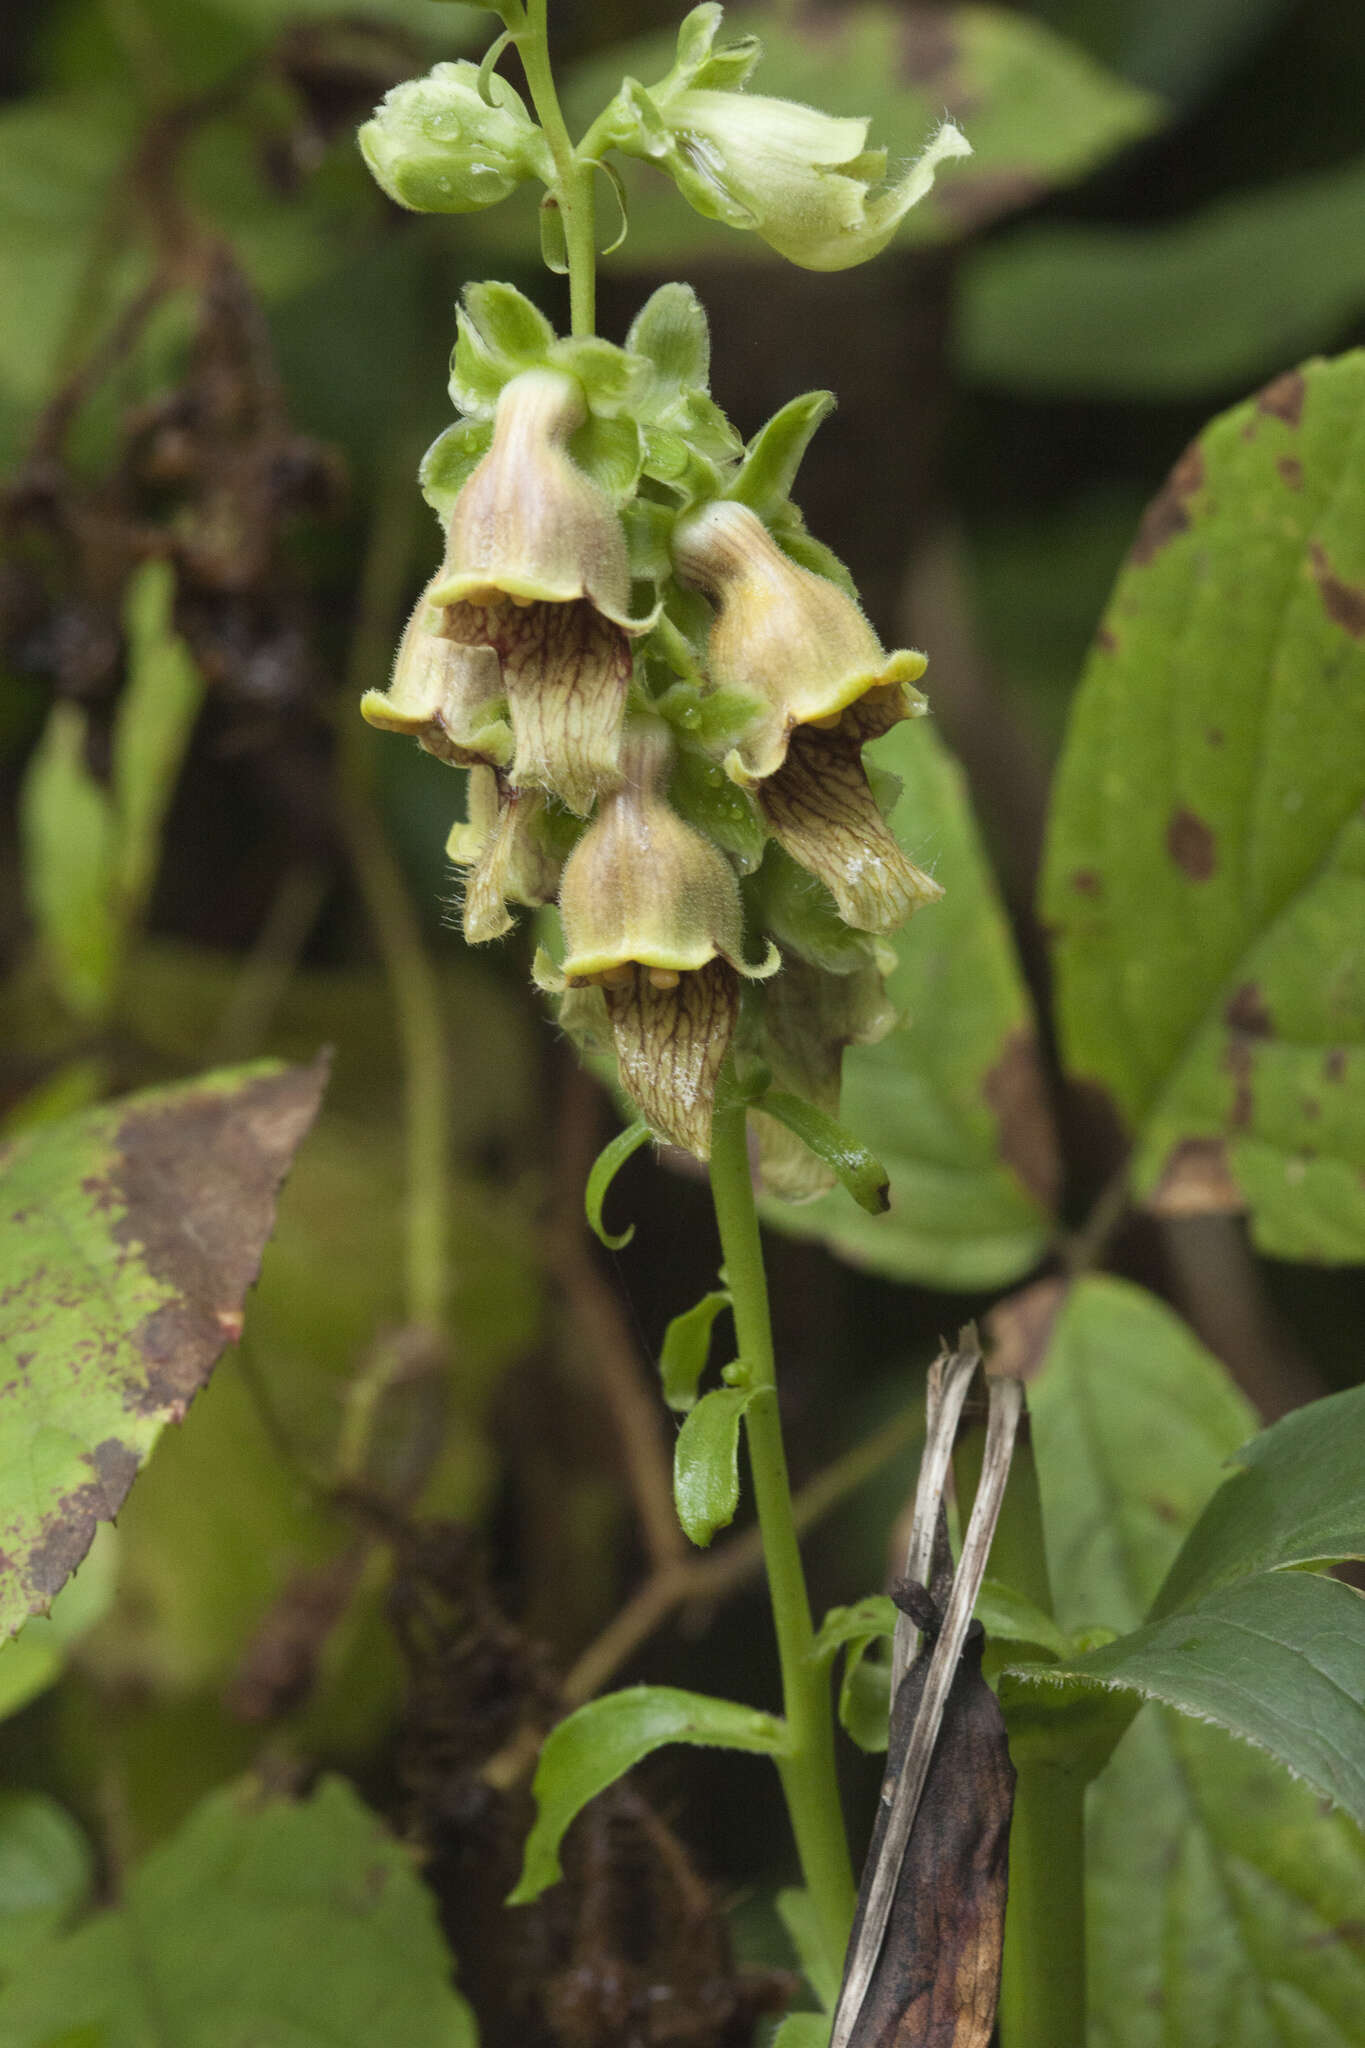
pixel 219 344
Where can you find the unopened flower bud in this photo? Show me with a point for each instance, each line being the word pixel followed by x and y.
pixel 804 181
pixel 449 698
pixel 802 646
pixel 536 569
pixel 436 145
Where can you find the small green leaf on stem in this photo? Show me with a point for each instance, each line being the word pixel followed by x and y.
pixel 706 1463
pixel 686 1348
pixel 594 1747
pixel 766 475
pixel 605 1168
pixel 864 1176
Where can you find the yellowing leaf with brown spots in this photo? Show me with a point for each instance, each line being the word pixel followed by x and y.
pixel 128 1239
pixel 1205 875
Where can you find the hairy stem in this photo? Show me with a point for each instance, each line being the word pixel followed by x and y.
pixel 808 1777
pixel 573 190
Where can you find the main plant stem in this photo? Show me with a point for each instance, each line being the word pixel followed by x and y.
pixel 573 191
pixel 1042 1992
pixel 808 1777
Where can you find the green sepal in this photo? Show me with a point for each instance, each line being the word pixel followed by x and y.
pixel 704 795
pixel 863 1176
pixel 498 334
pixel 686 1349
pixel 706 1462
pixel 670 331
pixel 611 451
pixel 598 1744
pixel 450 462
pixel 799 911
pixel 772 458
pixel 788 529
pixel 699 65
pixel 605 1168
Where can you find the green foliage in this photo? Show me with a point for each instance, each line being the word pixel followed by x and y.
pixel 34 1659
pixel 865 1684
pixel 1208 1869
pixel 706 1462
pixel 261 1920
pixel 132 1234
pixel 600 1742
pixel 1207 850
pixel 1200 305
pixel 956 1100
pixel 46 1870
pixel 686 1349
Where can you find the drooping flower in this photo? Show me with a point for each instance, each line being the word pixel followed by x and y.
pixel 804 181
pixel 800 645
pixel 508 853
pixel 448 697
pixel 536 570
pixel 652 917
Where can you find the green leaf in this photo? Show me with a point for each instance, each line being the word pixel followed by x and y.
pixel 1009 1616
pixel 1217 1889
pixel 1298 1500
pixel 46 1870
pixel 1206 304
pixel 861 1176
pixel 1278 1660
pixel 804 2029
pixel 706 1463
pixel 796 1910
pixel 865 1684
pixel 956 1099
pixel 686 1348
pixel 1223 1903
pixel 602 1740
pixel 129 1238
pixel 156 714
pixel 1037 111
pixel 259 1921
pixel 35 1659
pixel 1205 874
pixel 605 1168
pixel 70 841
pixel 766 475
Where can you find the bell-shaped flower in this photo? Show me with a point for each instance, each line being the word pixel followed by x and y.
pixel 802 647
pixel 448 697
pixel 506 849
pixel 804 181
pixel 652 916
pixel 437 145
pixel 536 569
pixel 808 1017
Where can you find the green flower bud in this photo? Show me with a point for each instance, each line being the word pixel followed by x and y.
pixel 804 181
pixel 801 645
pixel 449 698
pixel 504 846
pixel 652 918
pixel 436 145
pixel 536 570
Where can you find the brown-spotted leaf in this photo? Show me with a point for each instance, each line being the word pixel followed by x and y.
pixel 128 1239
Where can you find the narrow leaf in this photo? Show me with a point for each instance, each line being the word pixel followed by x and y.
pixel 1278 1660
pixel 156 715
pixel 605 1168
pixel 706 1463
pixel 129 1238
pixel 70 846
pixel 1297 1500
pixel 864 1177
pixel 686 1348
pixel 601 1741
pixel 260 1921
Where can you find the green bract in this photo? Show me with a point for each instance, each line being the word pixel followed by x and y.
pixel 438 146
